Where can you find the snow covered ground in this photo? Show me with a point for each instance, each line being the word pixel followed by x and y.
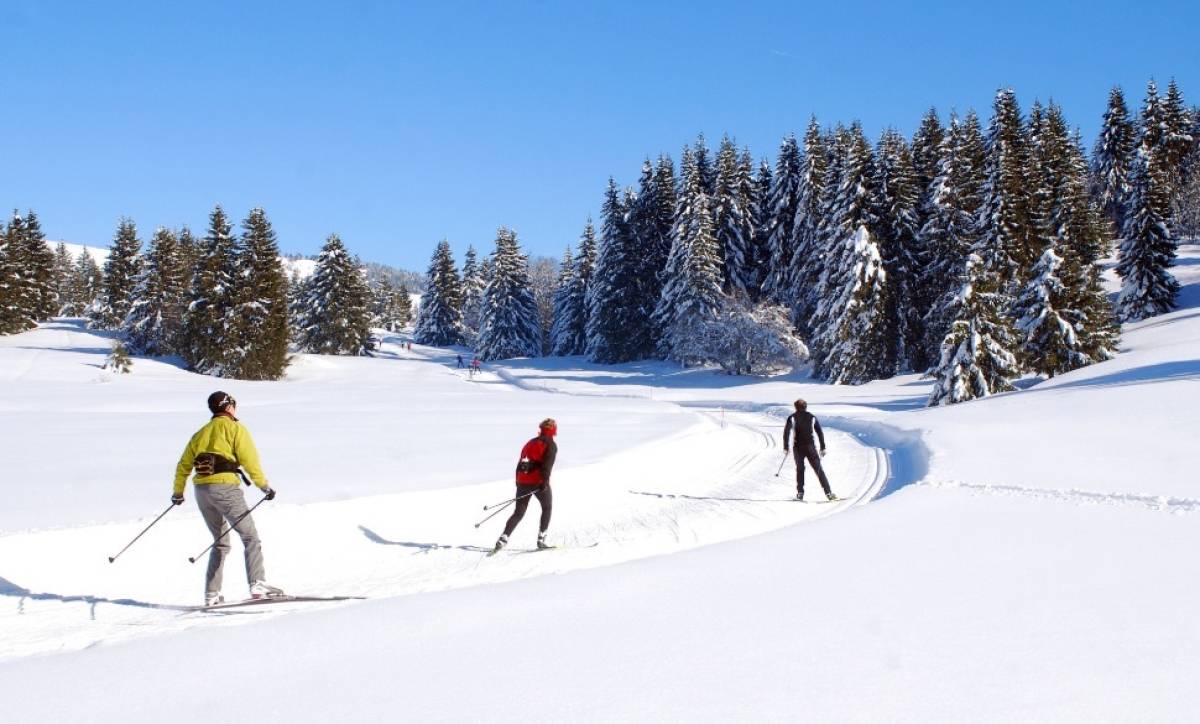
pixel 1026 558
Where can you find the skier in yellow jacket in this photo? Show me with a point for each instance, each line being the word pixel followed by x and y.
pixel 216 451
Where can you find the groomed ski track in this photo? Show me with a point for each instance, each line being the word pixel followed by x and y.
pixel 721 485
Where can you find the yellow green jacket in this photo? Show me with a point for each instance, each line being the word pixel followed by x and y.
pixel 226 437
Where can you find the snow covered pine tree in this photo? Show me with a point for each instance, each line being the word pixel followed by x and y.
pixel 510 326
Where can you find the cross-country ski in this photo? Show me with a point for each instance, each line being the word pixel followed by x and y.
pixel 284 598
pixel 544 548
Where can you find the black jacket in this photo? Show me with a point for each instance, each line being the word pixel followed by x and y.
pixel 548 458
pixel 804 423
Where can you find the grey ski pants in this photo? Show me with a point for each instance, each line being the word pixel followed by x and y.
pixel 220 503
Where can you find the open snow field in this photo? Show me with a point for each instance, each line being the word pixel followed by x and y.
pixel 1026 558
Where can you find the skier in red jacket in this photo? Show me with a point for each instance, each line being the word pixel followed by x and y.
pixel 533 480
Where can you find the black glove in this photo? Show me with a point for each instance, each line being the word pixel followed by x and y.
pixel 177 498
pixel 269 493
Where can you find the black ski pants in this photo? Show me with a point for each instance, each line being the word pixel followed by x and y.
pixel 544 498
pixel 814 459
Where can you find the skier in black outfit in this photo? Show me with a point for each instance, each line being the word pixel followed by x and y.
pixel 533 481
pixel 804 422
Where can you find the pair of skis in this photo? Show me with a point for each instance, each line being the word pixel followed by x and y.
pixel 271 599
pixel 494 551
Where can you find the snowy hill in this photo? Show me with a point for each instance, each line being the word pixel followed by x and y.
pixel 100 255
pixel 301 267
pixel 1023 558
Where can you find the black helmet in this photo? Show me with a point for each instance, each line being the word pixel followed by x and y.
pixel 219 401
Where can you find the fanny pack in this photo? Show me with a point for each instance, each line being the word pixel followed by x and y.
pixel 528 466
pixel 211 463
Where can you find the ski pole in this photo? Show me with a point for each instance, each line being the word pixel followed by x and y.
pixel 139 535
pixel 494 513
pixel 497 505
pixel 781 462
pixel 231 527
pixel 506 502
pixel 502 506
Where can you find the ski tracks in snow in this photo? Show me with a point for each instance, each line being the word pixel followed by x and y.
pixel 718 485
pixel 1157 503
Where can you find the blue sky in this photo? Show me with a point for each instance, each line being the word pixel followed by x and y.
pixel 397 125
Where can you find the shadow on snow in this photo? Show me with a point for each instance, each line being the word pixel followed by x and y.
pixel 419 547
pixel 22 594
pixel 1161 372
pixel 711 497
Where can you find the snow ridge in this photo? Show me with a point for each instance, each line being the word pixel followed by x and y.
pixel 1159 503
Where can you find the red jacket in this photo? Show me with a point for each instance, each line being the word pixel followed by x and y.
pixel 537 460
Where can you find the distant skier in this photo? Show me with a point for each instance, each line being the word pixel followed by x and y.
pixel 804 423
pixel 458 357
pixel 216 452
pixel 533 480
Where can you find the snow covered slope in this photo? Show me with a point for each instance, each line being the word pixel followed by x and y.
pixel 1030 557
pixel 100 255
pixel 303 268
pixel 337 428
